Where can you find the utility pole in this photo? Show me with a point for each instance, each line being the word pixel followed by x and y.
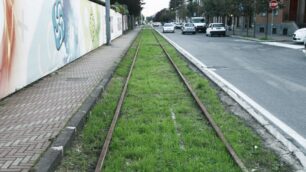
pixel 254 33
pixel 267 20
pixel 198 7
pixel 272 14
pixel 107 19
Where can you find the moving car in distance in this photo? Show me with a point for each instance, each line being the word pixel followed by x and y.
pixel 178 25
pixel 188 28
pixel 299 35
pixel 199 23
pixel 304 42
pixel 168 27
pixel 156 24
pixel 216 29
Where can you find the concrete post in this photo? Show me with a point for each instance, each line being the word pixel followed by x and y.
pixel 108 27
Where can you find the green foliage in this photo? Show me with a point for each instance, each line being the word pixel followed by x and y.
pixel 174 4
pixel 179 7
pixel 193 8
pixel 164 15
pixel 235 7
pixel 123 9
pixel 134 6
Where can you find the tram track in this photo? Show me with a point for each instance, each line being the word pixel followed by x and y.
pixel 199 103
pixel 117 113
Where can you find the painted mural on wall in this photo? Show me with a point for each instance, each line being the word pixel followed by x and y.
pixel 36 40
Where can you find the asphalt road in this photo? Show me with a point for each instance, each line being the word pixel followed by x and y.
pixel 274 77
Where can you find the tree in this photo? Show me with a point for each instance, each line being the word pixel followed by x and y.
pixel 182 12
pixel 175 4
pixel 164 16
pixel 218 8
pixel 179 8
pixel 194 8
pixel 134 6
pixel 245 8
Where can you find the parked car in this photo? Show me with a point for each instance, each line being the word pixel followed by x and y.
pixel 188 28
pixel 178 25
pixel 299 35
pixel 168 27
pixel 216 29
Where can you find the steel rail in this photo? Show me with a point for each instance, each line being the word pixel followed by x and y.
pixel 204 110
pixel 117 114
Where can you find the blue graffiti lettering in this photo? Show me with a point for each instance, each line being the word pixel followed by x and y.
pixel 58 23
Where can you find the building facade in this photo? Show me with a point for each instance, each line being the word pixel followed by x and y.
pixel 284 21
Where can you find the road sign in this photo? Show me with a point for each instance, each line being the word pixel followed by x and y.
pixel 273 4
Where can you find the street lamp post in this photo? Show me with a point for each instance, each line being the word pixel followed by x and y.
pixel 198 7
pixel 107 19
pixel 254 32
pixel 267 20
pixel 233 23
pixel 272 14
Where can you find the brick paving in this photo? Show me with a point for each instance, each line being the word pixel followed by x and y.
pixel 34 116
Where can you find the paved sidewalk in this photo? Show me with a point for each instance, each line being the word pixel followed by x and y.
pixel 34 116
pixel 260 36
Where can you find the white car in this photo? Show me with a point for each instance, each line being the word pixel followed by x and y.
pixel 299 35
pixel 199 23
pixel 169 27
pixel 178 25
pixel 156 24
pixel 188 28
pixel 216 29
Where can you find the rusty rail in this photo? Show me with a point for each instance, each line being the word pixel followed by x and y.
pixel 204 111
pixel 194 95
pixel 116 115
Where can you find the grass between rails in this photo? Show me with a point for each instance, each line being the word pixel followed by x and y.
pixel 161 128
pixel 248 145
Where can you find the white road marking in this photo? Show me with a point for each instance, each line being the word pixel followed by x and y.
pixel 279 44
pixel 263 116
pixel 242 40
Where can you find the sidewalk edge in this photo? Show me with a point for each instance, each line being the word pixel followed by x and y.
pixel 256 39
pixel 52 157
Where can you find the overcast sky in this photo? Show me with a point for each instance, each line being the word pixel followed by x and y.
pixel 153 6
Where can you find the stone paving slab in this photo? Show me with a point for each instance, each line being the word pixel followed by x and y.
pixel 34 116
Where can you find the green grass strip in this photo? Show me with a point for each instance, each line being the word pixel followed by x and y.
pixel 148 138
pixel 161 128
pixel 246 142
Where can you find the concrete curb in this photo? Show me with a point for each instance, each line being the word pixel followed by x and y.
pixel 256 39
pixel 291 140
pixel 54 154
pixel 52 157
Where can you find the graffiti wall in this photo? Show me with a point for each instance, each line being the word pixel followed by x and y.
pixel 38 37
